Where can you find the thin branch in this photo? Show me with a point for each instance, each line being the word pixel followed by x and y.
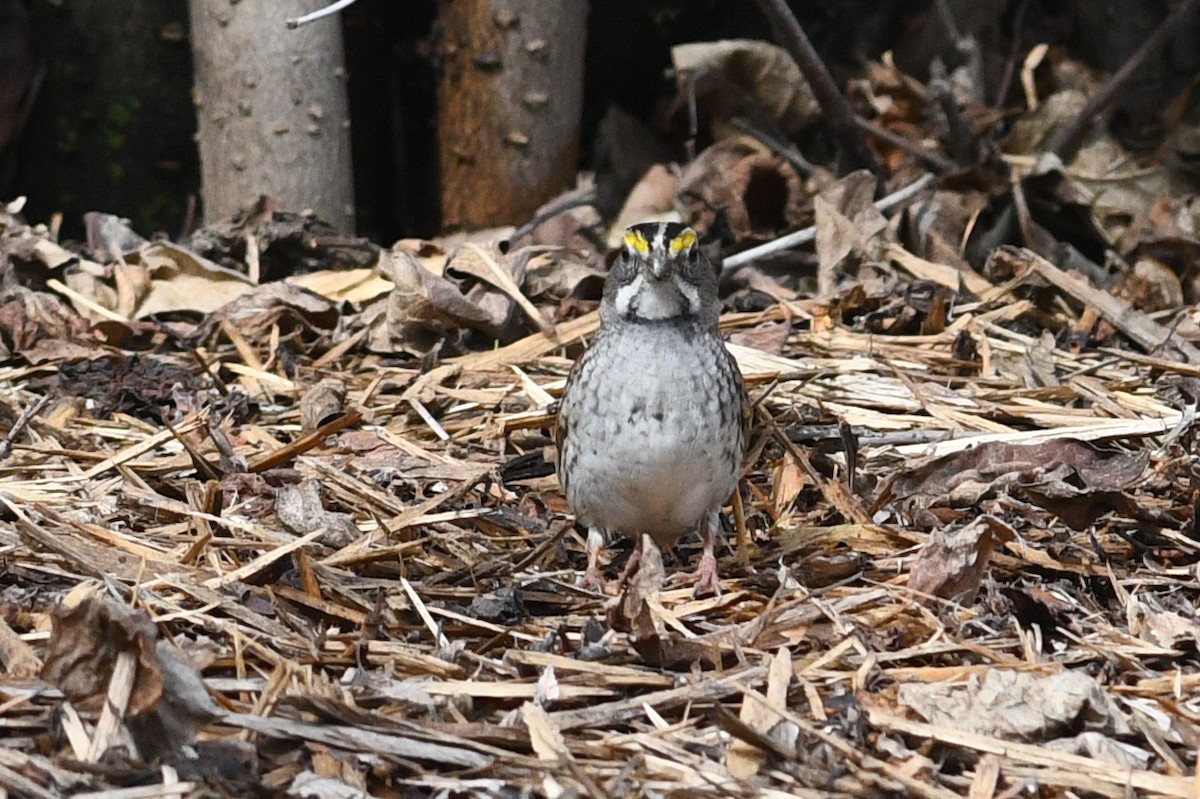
pixel 808 234
pixel 332 8
pixel 932 157
pixel 851 142
pixel 19 426
pixel 1010 66
pixel 1068 140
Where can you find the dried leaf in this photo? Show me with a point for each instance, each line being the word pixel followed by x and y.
pixel 1062 468
pixel 546 739
pixel 182 281
pixel 763 70
pixel 952 565
pixel 300 510
pixel 357 286
pixel 85 641
pixel 740 183
pixel 652 198
pixel 1017 706
pixel 423 306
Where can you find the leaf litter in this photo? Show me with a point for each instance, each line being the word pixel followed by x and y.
pixel 301 536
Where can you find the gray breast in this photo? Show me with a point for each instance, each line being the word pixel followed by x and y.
pixel 652 440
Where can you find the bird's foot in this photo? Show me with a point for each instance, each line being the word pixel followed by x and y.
pixel 593 579
pixel 707 580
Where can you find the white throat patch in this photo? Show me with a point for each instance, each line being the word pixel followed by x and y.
pixel 655 300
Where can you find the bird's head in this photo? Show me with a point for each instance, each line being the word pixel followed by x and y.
pixel 660 274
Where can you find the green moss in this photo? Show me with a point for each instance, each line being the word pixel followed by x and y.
pixel 122 114
pixel 120 117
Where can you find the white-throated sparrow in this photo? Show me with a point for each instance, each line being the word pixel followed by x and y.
pixel 651 427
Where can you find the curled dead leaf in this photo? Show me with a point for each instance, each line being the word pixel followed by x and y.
pixel 423 306
pixel 85 642
pixel 951 565
pixel 757 192
pixel 322 404
pixel 762 70
pixel 300 510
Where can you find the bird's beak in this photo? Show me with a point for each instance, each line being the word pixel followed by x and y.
pixel 659 265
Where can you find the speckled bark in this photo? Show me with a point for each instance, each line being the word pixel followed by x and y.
pixel 510 99
pixel 271 109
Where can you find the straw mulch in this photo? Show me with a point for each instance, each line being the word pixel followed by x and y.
pixel 303 538
pixel 414 627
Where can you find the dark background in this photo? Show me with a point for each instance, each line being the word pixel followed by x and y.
pixel 108 123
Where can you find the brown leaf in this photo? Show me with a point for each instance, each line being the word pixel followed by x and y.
pixel 661 648
pixel 322 403
pixel 757 192
pixel 652 197
pixel 1162 627
pixel 498 281
pixel 301 511
pixel 559 276
pixel 356 286
pixel 85 641
pixel 648 576
pixel 255 312
pixel 768 337
pixel 847 224
pixel 1066 467
pixel 952 565
pixel 182 281
pixel 1151 286
pixel 42 327
pixel 1018 706
pixel 762 70
pixel 423 306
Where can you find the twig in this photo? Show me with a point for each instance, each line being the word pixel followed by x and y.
pixel 852 144
pixel 778 146
pixel 809 233
pixel 22 421
pixel 1068 140
pixel 932 157
pixel 576 198
pixel 332 8
pixel 959 137
pixel 1010 66
pixel 965 45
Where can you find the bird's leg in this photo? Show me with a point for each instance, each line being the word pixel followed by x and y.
pixel 631 565
pixel 707 581
pixel 593 580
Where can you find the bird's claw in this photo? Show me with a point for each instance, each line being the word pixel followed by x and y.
pixel 707 579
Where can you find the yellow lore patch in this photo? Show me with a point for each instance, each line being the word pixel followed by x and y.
pixel 684 241
pixel 637 242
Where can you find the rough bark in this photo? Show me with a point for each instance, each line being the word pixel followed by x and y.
pixel 271 109
pixel 509 105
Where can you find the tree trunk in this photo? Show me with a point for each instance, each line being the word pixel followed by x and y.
pixel 509 106
pixel 271 109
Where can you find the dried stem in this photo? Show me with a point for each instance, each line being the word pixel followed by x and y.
pixel 854 153
pixel 1068 140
